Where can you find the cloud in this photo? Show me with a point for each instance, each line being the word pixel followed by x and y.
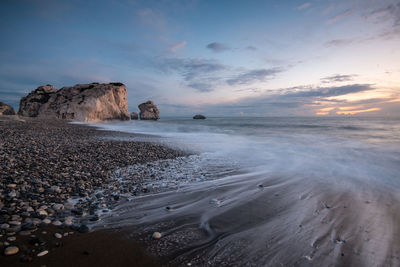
pixel 199 74
pixel 390 12
pixel 340 42
pixel 303 6
pixel 178 46
pixel 256 75
pixel 251 48
pixel 332 91
pixel 191 68
pixel 340 16
pixel 338 78
pixel 201 87
pixel 217 47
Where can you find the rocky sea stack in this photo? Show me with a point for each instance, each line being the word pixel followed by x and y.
pixel 82 102
pixel 149 111
pixel 199 117
pixel 6 109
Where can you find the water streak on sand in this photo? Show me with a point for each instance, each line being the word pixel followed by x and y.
pixel 299 191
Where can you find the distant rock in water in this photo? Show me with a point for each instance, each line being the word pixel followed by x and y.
pixel 149 111
pixel 199 117
pixel 6 109
pixel 134 116
pixel 82 102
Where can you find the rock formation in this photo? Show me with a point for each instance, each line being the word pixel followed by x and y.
pixel 6 109
pixel 82 102
pixel 30 105
pixel 199 117
pixel 134 116
pixel 149 111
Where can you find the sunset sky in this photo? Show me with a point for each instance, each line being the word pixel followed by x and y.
pixel 230 58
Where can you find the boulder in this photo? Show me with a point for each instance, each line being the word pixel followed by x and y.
pixel 149 111
pixel 134 116
pixel 6 109
pixel 82 102
pixel 199 117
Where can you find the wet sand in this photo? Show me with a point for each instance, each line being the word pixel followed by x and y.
pixel 267 220
pixel 98 248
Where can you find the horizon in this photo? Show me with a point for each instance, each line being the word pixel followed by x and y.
pixel 220 59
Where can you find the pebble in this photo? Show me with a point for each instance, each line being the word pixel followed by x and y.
pixel 5 226
pixel 215 202
pixel 58 206
pixel 44 252
pixel 58 235
pixel 11 250
pixel 11 238
pixel 46 171
pixel 68 221
pixel 42 212
pixel 156 235
pixel 57 223
pixel 25 233
pixel 46 221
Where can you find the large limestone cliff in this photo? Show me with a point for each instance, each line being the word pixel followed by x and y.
pixel 82 102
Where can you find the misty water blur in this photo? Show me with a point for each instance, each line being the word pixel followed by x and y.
pixel 302 185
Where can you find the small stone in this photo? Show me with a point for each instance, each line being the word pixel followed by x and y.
pixel 25 233
pixel 46 221
pixel 215 202
pixel 58 206
pixel 29 209
pixel 44 252
pixel 42 212
pixel 11 185
pixel 156 235
pixel 11 238
pixel 15 222
pixel 5 226
pixel 57 235
pixel 68 221
pixel 11 250
pixel 12 194
pixel 57 223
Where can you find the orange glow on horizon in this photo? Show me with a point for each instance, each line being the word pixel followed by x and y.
pixel 353 112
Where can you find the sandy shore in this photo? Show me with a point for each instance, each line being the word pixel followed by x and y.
pixel 55 178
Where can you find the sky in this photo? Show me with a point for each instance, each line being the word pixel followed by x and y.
pixel 218 58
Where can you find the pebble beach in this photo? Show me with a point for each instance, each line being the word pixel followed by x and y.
pixel 56 180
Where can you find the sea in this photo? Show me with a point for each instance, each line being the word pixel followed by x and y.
pixel 272 191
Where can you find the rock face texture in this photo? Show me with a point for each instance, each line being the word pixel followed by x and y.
pixel 6 109
pixel 134 116
pixel 199 117
pixel 82 102
pixel 149 111
pixel 30 105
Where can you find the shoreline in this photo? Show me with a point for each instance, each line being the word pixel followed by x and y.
pixel 46 163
